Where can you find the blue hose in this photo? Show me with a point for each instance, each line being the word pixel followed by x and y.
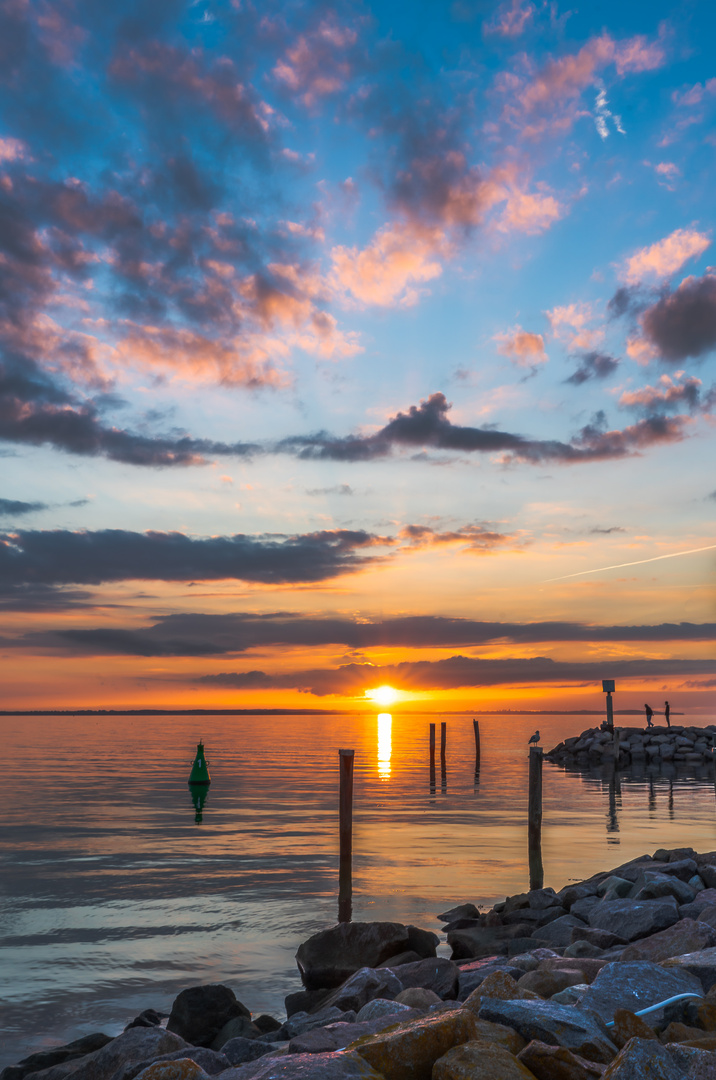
pixel 661 1005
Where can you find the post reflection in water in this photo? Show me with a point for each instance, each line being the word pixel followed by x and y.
pixel 385 744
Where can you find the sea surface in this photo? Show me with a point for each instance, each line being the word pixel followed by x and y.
pixel 116 892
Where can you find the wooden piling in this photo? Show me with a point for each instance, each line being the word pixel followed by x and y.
pixel 432 759
pixel 534 819
pixel 476 730
pixel 345 832
pixel 443 742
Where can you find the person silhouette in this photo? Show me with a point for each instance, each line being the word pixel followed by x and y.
pixel 649 713
pixel 667 713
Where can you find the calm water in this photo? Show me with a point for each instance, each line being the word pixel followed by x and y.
pixel 113 898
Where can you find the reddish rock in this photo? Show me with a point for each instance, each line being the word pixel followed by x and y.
pixel 627 1025
pixel 557 1063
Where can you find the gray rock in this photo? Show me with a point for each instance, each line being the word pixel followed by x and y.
pixel 681 868
pixel 200 1012
pixel 236 1028
pixel 697 1064
pixel 644 1059
pixel 330 1066
pixel 601 938
pixel 422 942
pixel 571 893
pixel 582 949
pixel 558 932
pixel 45 1059
pixel 460 911
pixel 266 1023
pixel 374 1010
pixel 557 1025
pixel 652 884
pixel 238 1051
pixel 173 1070
pixel 708 876
pixel 135 1045
pixel 571 995
pixel 438 974
pixel 364 985
pixel 634 986
pixel 581 908
pixel 620 887
pixel 301 1022
pixel 685 936
pixel 407 957
pixel 519 946
pixel 471 976
pixel 305 1000
pixel 700 964
pixel 208 1060
pixel 541 899
pixel 417 997
pixel 633 919
pixel 331 956
pixel 483 941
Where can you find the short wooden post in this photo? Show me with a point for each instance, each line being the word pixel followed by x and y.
pixel 476 729
pixel 345 832
pixel 534 819
pixel 610 712
pixel 443 746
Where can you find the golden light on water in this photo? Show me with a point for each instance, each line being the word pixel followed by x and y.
pixel 382 695
pixel 385 744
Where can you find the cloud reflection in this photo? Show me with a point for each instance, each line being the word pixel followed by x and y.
pixel 385 744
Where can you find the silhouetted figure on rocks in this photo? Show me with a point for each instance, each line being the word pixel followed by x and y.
pixel 667 713
pixel 649 713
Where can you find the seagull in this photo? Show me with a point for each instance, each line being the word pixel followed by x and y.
pixel 534 738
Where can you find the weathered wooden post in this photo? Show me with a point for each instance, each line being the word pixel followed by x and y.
pixel 534 819
pixel 443 741
pixel 608 689
pixel 617 739
pixel 345 832
pixel 476 730
pixel 432 757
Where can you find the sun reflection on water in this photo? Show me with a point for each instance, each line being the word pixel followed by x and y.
pixel 385 744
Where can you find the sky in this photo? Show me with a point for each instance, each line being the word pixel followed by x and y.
pixel 347 346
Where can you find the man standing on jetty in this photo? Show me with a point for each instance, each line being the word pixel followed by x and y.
pixel 649 713
pixel 667 713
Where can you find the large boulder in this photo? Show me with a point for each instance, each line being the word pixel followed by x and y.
pixel 685 936
pixel 330 1066
pixel 557 1025
pixel 45 1059
pixel 559 932
pixel 409 1051
pixel 480 1060
pixel 238 1051
pixel 137 1044
pixel 635 986
pixel 207 1060
pixel 200 1012
pixel 439 975
pixel 301 1022
pixel 632 919
pixel 422 942
pixel 643 1059
pixel 702 964
pixel 364 985
pixel 473 943
pixel 330 956
pixel 179 1069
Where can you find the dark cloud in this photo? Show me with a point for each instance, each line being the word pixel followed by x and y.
pixel 207 635
pixel 57 557
pixel 476 537
pixel 462 672
pixel 607 532
pixel 32 598
pixel 14 507
pixel 683 323
pixel 337 489
pixel 593 365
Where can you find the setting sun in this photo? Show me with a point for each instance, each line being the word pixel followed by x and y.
pixel 382 695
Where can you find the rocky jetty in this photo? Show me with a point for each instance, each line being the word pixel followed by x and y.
pixel 547 985
pixel 631 745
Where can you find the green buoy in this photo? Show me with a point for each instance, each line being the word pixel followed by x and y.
pixel 200 770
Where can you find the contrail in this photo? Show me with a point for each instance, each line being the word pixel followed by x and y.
pixel 638 562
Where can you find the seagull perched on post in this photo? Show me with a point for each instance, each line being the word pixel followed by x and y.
pixel 534 738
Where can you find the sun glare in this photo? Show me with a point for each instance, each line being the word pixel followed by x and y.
pixel 382 695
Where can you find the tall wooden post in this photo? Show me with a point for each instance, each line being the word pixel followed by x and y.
pixel 476 730
pixel 610 711
pixel 345 832
pixel 432 757
pixel 534 819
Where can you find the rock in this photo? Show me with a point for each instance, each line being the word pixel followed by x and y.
pixel 362 986
pixel 480 1060
pixel 582 907
pixel 305 1000
pixel 266 1023
pixel 694 1012
pixel 708 876
pixel 570 894
pixel 422 942
pixel 559 932
pixel 572 995
pixel 702 964
pixel 147 1018
pixel 236 1028
pixel 45 1059
pixel 547 983
pixel 200 1012
pixel 519 946
pixel 472 975
pixel 417 997
pixel 331 956
pixel 461 911
pixel 331 1066
pixel 685 936
pixel 620 887
pixel 634 918
pixel 409 1051
pixel 498 985
pixel 603 939
pixel 696 1064
pixel 500 1034
pixel 407 957
pixel 480 941
pixel 635 986
pixel 676 1032
pixel 382 1007
pixel 582 949
pixel 239 1051
pixel 651 886
pixel 179 1069
pixel 541 899
pixel 439 975
pixel 301 1022
pixel 588 967
pixel 644 1059
pixel 629 1026
pixel 557 1025
pixel 139 1044
pixel 324 1040
pixel 208 1060
pixel 557 1063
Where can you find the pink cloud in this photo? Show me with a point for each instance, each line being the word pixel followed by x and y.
pixel 637 54
pixel 695 94
pixel 316 65
pixel 569 323
pixel 667 174
pixel 510 20
pixel 387 271
pixel 12 149
pixel 523 348
pixel 664 258
pixel 670 393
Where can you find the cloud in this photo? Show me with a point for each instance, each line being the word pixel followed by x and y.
pixel 670 394
pixel 667 173
pixel 665 257
pixel 524 348
pixel 337 489
pixel 58 557
pixel 318 63
pixel 693 95
pixel 593 365
pixel 14 507
pixel 458 672
pixel 510 20
pixel 602 114
pixel 473 537
pixel 195 634
pixel 683 322
pixel 387 271
pixel 569 323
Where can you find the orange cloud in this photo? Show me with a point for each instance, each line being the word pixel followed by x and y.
pixel 313 67
pixel 399 257
pixel 569 323
pixel 664 258
pixel 523 348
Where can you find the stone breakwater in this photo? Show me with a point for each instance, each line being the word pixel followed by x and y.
pixel 544 986
pixel 681 745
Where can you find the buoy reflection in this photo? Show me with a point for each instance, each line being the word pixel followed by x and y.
pixel 385 744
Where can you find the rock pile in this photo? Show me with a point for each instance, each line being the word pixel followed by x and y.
pixel 545 986
pixel 681 745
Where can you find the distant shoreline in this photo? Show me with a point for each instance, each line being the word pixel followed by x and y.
pixel 321 712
